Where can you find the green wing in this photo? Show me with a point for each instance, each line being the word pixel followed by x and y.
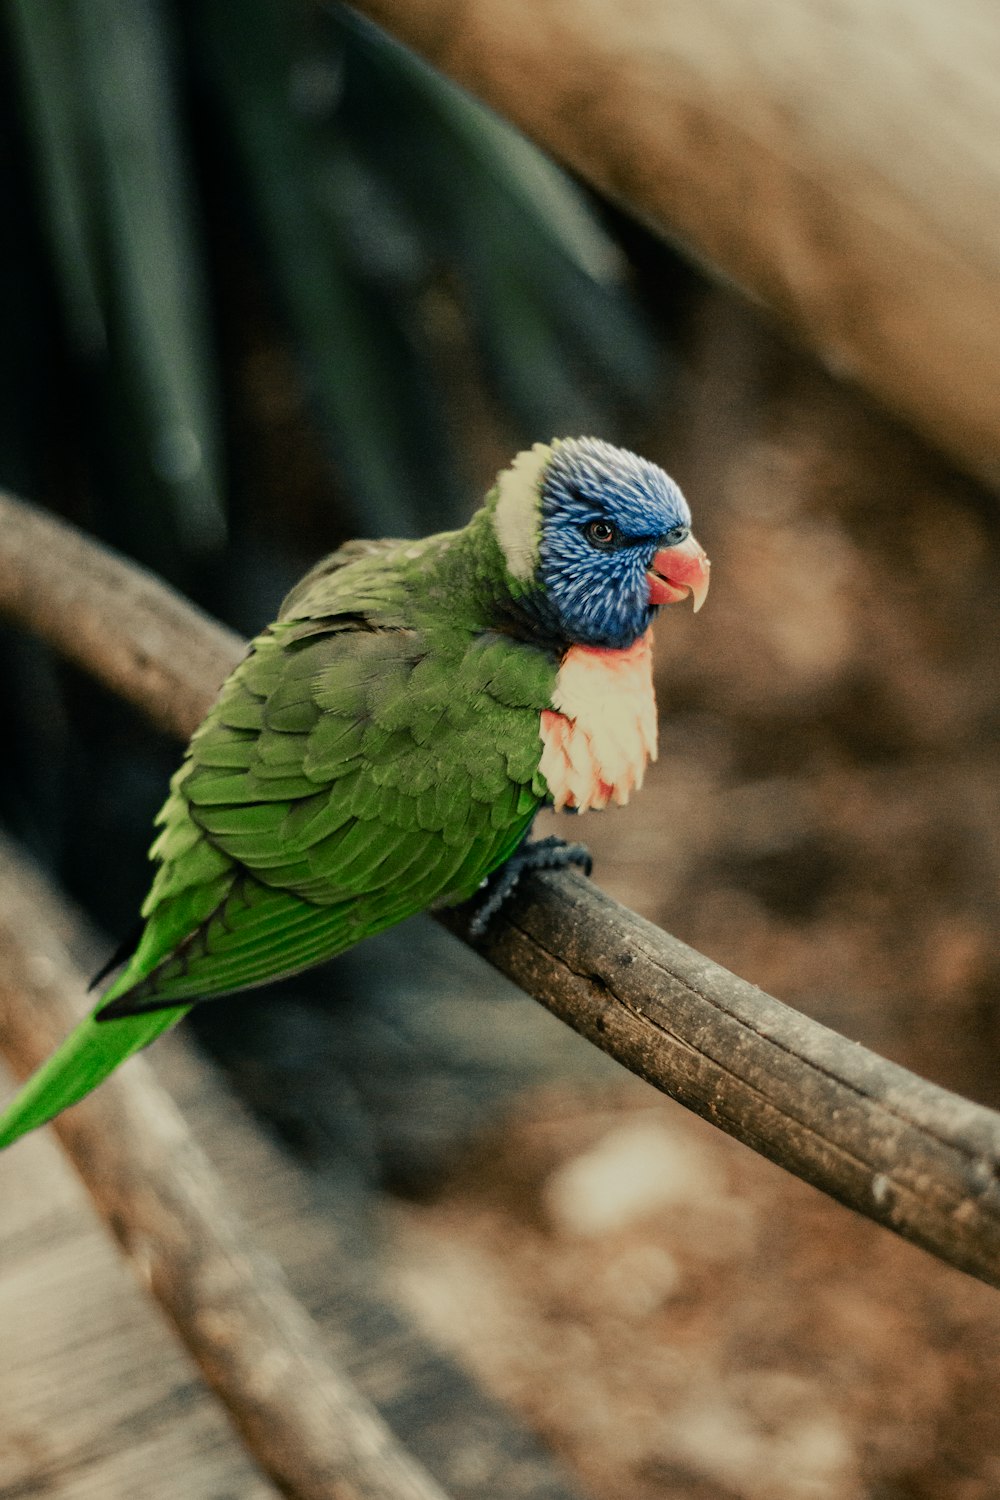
pixel 355 770
pixel 346 779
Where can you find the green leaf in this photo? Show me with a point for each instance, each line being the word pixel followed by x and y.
pixel 369 381
pixel 97 81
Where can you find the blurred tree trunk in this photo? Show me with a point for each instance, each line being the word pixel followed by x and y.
pixel 837 161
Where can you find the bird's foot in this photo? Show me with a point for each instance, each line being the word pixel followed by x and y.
pixel 551 853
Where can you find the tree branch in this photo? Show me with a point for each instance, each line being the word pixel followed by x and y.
pixel 833 163
pixel 121 624
pixel 921 1161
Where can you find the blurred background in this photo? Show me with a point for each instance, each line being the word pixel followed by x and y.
pixel 270 282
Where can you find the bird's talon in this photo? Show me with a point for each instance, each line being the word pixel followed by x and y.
pixel 550 853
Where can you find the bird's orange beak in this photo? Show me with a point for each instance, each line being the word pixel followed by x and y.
pixel 677 572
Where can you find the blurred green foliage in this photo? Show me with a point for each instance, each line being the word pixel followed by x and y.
pixel 359 184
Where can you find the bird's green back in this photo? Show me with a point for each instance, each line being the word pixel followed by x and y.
pixel 375 753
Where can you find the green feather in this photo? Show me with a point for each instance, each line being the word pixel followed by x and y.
pixel 297 715
pixel 314 819
pixel 278 750
pixel 87 1056
pixel 332 746
pixel 209 787
pixel 239 710
pixel 229 749
pixel 262 817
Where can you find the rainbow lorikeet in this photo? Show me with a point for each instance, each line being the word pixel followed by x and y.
pixel 386 743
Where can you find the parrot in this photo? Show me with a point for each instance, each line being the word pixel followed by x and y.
pixel 384 746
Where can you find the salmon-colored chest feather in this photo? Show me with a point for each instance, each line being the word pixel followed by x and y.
pixel 601 730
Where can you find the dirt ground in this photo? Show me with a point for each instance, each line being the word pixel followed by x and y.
pixel 677 1317
pixel 680 1319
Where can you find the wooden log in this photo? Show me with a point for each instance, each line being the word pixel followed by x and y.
pixel 97 1396
pixel 299 1415
pixel 837 161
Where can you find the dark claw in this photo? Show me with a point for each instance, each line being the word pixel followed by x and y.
pixel 551 853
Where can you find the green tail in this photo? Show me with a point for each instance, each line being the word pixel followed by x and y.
pixel 83 1061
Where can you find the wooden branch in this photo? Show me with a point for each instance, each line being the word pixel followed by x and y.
pixel 917 1159
pixel 300 1417
pixel 168 660
pixel 912 1156
pixel 835 162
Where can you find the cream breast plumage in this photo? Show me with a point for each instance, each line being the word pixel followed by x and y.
pixel 601 731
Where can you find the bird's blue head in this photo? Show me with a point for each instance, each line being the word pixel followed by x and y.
pixel 610 540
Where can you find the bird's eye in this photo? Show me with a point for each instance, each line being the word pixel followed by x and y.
pixel 600 534
pixel 676 535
